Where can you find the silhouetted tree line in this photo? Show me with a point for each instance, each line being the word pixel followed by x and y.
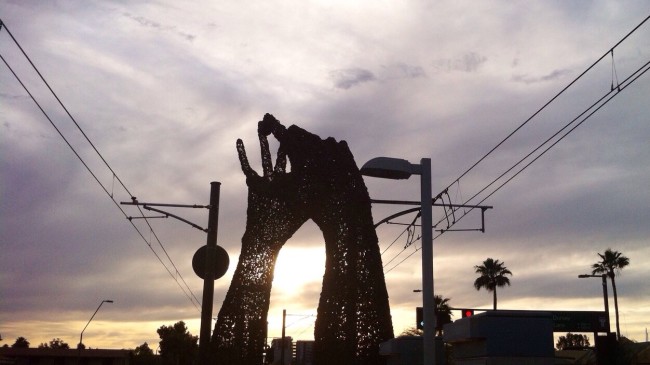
pixel 177 346
pixel 572 341
pixel 55 343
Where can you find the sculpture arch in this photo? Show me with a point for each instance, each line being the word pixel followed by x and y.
pixel 324 185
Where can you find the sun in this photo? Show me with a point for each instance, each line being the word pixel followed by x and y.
pixel 297 268
pixel 297 282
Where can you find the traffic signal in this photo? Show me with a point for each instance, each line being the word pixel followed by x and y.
pixel 419 318
pixel 467 312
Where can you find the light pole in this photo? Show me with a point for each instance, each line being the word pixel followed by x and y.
pixel 398 169
pixel 605 298
pixel 91 318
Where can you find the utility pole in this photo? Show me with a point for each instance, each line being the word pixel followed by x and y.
pixel 284 319
pixel 208 279
pixel 210 262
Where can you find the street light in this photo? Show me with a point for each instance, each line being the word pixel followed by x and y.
pixel 91 318
pixel 399 169
pixel 604 276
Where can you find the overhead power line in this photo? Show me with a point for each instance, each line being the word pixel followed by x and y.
pixel 539 151
pixel 611 50
pixel 585 115
pixel 175 273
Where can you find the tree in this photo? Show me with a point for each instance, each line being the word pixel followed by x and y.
pixel 411 331
pixel 143 350
pixel 493 274
pixel 143 355
pixel 177 345
pixel 443 316
pixel 611 263
pixel 443 312
pixel 21 343
pixel 572 341
pixel 55 343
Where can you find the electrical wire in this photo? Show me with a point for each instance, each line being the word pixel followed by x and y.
pixel 176 275
pixel 587 114
pixel 605 100
pixel 597 105
pixel 409 240
pixel 395 240
pixel 611 50
pixel 83 162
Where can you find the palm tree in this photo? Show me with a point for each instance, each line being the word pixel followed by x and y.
pixel 493 274
pixel 443 312
pixel 611 263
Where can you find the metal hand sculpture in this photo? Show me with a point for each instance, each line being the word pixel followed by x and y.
pixel 326 186
pixel 274 214
pixel 353 311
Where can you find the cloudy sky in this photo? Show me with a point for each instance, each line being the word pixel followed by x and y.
pixel 163 91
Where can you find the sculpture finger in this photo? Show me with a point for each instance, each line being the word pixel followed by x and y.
pixel 267 124
pixel 281 160
pixel 243 160
pixel 267 164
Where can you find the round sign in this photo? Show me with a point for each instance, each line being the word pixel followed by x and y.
pixel 220 263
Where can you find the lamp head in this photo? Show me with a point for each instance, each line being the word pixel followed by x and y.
pixel 389 168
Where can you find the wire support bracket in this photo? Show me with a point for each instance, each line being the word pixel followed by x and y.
pixel 134 201
pixel 149 206
pixel 445 205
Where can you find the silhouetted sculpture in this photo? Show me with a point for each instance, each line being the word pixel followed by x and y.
pixel 326 186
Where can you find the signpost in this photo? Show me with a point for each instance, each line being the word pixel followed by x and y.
pixel 580 321
pixel 565 321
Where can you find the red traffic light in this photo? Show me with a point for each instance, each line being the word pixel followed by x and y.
pixel 467 312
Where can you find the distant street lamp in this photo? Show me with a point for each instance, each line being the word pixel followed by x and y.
pixel 91 318
pixel 604 276
pixel 398 169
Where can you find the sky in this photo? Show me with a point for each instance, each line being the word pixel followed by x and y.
pixel 163 90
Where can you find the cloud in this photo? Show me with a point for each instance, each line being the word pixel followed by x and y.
pixel 149 23
pixel 554 75
pixel 468 62
pixel 403 70
pixel 348 78
pixel 165 95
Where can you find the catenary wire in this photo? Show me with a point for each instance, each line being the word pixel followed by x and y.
pixel 191 296
pixel 640 72
pixel 83 162
pixel 596 107
pixel 457 181
pixel 611 50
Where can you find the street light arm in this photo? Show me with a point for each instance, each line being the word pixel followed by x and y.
pixel 91 318
pixel 605 296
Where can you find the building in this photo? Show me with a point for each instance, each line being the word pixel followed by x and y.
pixel 45 356
pixel 304 353
pixel 279 358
